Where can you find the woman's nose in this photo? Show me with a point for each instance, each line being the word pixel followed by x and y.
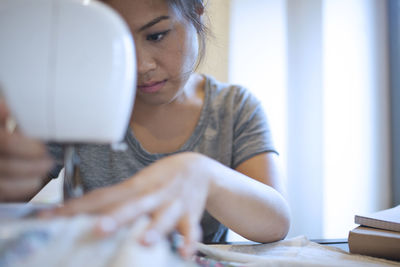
pixel 145 61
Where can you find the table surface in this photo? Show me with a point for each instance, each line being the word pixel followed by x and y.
pixel 339 243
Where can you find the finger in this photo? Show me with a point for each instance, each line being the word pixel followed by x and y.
pixel 118 200
pixel 85 204
pixel 191 232
pixel 13 190
pixel 127 213
pixel 116 209
pixel 17 145
pixel 97 201
pixel 21 168
pixel 4 113
pixel 102 200
pixel 163 222
pixel 110 200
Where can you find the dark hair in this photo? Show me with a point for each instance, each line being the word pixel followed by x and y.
pixel 192 10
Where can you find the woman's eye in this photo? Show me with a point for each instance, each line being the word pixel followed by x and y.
pixel 156 37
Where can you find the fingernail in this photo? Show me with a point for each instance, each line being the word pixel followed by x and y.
pixel 151 237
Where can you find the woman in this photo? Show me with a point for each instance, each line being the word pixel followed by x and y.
pixel 194 145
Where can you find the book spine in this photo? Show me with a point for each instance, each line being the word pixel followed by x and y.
pixel 374 245
pixel 377 223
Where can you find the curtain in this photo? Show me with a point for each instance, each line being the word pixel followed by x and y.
pixel 321 68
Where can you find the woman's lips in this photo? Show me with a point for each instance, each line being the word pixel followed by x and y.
pixel 151 87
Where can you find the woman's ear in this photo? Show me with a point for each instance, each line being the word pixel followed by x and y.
pixel 200 8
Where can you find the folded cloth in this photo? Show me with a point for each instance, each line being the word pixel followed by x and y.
pixel 298 251
pixel 65 242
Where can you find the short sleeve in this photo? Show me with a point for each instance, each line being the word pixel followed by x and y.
pixel 252 134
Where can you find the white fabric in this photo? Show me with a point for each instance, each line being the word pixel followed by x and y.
pixel 67 242
pixel 70 242
pixel 298 251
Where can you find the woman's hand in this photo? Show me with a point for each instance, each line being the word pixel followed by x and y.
pixel 23 163
pixel 169 191
pixel 174 192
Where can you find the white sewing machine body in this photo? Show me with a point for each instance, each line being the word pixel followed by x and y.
pixel 67 69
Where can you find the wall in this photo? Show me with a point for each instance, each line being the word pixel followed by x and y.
pixel 217 49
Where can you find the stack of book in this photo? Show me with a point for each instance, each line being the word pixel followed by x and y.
pixel 378 234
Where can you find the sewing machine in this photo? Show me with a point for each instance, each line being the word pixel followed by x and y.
pixel 68 74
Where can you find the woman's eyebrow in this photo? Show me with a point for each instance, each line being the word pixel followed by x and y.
pixel 153 22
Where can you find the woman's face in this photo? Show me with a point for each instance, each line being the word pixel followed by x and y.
pixel 166 48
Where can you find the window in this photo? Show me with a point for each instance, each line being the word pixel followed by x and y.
pixel 321 69
pixel 394 38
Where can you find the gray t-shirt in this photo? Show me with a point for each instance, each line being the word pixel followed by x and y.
pixel 232 128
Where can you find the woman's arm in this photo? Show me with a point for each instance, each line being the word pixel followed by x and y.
pixel 174 192
pixel 254 208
